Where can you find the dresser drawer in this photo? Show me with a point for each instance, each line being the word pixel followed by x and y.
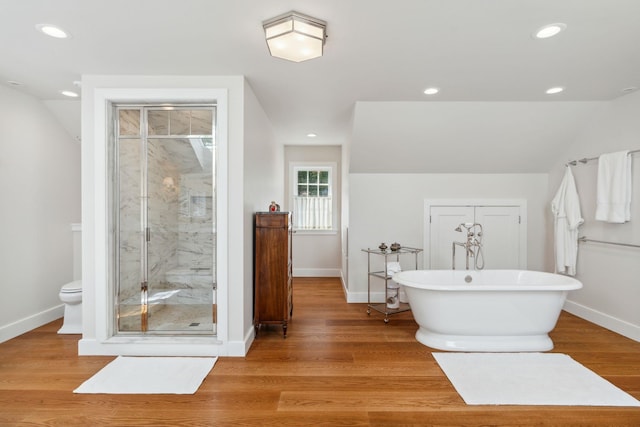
pixel 273 220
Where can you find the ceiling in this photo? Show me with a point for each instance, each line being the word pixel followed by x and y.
pixel 378 52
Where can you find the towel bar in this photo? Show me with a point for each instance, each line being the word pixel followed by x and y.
pixel 587 159
pixel 584 239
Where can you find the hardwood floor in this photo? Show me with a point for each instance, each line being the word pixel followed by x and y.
pixel 337 367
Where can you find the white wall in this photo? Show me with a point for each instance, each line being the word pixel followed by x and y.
pixel 390 208
pixel 40 188
pixel 463 137
pixel 315 255
pixel 610 274
pixel 263 174
pixel 344 215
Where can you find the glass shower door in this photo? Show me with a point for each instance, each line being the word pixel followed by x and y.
pixel 176 214
pixel 127 200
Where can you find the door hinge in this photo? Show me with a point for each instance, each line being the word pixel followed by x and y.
pixel 147 232
pixel 519 219
pixel 144 286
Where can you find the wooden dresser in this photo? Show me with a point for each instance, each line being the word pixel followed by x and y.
pixel 273 270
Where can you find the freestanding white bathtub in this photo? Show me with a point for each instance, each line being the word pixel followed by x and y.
pixel 487 310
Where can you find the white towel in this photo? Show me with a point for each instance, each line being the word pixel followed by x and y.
pixel 393 268
pixel 566 211
pixel 614 187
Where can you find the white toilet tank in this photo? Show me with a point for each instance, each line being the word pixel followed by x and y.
pixel 77 251
pixel 71 293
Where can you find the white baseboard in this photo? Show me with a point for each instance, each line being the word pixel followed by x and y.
pixel 238 348
pixel 153 346
pixel 165 346
pixel 343 282
pixel 619 326
pixel 361 297
pixel 241 348
pixel 91 347
pixel 27 324
pixel 316 272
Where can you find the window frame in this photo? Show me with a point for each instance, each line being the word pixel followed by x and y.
pixel 331 167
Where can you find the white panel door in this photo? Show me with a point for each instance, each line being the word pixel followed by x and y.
pixel 443 221
pixel 501 237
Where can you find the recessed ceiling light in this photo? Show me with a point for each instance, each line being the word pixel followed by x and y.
pixel 629 89
pixel 14 83
pixel 69 93
pixel 431 91
pixel 550 30
pixel 53 31
pixel 312 135
pixel 554 90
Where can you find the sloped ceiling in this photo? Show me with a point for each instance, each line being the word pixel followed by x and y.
pixel 464 137
pixel 378 51
pixel 68 114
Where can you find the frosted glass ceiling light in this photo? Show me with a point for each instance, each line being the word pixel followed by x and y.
pixel 295 37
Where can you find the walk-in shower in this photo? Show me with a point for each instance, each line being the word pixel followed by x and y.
pixel 163 201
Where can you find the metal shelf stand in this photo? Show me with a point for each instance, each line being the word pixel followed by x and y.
pixel 383 274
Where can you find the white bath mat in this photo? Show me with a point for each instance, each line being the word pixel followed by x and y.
pixel 150 375
pixel 528 379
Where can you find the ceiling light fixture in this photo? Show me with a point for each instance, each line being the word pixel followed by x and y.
pixel 53 31
pixel 431 91
pixel 311 135
pixel 295 37
pixel 550 30
pixel 554 90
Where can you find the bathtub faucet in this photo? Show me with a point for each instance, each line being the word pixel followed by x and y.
pixel 472 247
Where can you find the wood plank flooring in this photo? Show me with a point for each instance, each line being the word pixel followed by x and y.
pixel 337 367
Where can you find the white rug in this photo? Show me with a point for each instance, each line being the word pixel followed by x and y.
pixel 150 375
pixel 528 379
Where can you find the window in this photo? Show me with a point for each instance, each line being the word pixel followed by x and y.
pixel 312 201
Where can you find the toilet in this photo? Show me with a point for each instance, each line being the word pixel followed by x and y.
pixel 71 296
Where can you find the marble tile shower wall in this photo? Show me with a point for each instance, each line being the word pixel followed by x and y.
pixel 181 206
pixel 162 216
pixel 196 223
pixel 162 213
pixel 130 243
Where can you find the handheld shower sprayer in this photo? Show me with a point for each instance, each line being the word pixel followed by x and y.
pixel 468 226
pixel 473 245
